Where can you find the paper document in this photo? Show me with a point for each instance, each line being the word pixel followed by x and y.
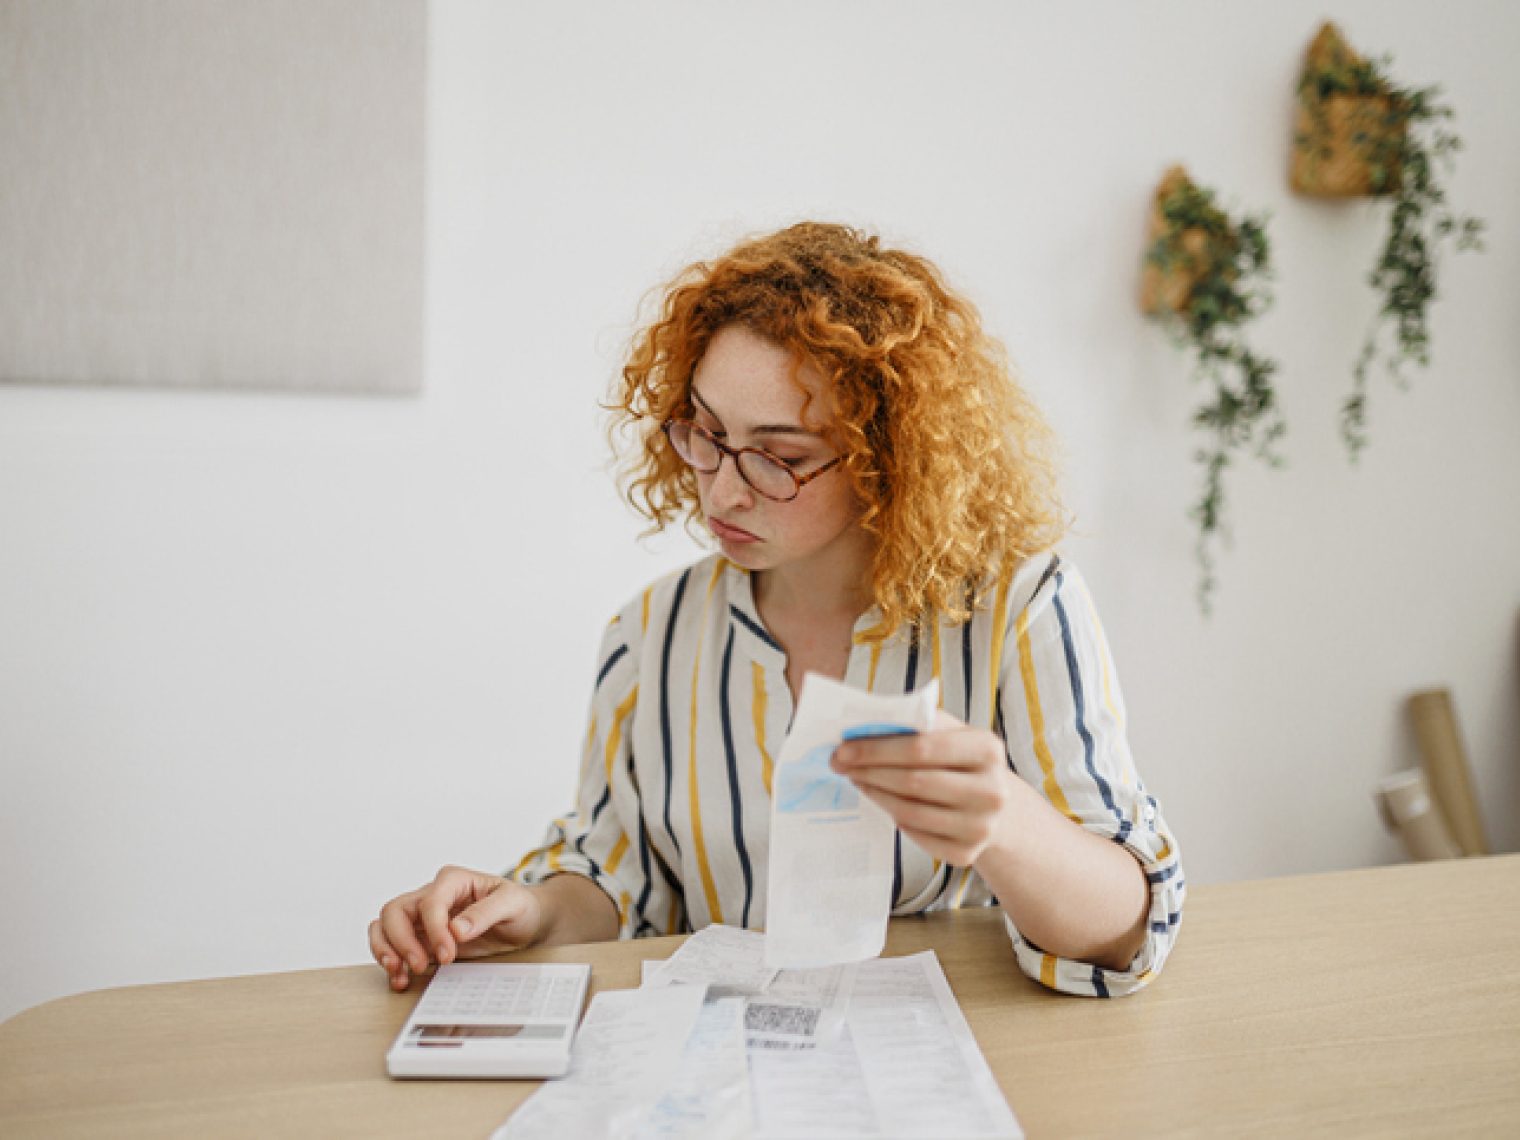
pixel 626 1057
pixel 926 1074
pixel 730 960
pixel 830 884
pixel 709 1099
pixel 785 1009
pixel 800 1009
pixel 658 1064
pixel 906 1067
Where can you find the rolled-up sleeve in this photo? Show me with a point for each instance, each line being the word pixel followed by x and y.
pixel 603 838
pixel 1064 723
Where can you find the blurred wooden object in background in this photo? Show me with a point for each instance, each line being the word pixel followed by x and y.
pixel 1404 802
pixel 1445 763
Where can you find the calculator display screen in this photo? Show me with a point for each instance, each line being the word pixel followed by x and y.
pixel 430 1033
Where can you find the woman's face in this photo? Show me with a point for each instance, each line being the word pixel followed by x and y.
pixel 743 393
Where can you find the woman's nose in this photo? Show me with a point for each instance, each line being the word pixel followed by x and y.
pixel 728 488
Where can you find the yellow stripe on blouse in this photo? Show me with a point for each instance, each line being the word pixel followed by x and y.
pixel 709 888
pixel 615 734
pixel 1051 786
pixel 619 849
pixel 999 636
pixel 757 697
pixel 960 893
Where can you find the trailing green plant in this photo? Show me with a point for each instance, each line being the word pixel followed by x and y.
pixel 1402 136
pixel 1227 263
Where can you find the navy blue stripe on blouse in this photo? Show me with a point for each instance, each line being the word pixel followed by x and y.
pixel 757 630
pixel 733 775
pixel 1055 564
pixel 1079 701
pixel 613 659
pixel 966 666
pixel 670 635
pixel 910 676
pixel 945 883
pixel 1171 920
pixel 644 866
pixel 1002 730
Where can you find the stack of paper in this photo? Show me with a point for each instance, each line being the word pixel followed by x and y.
pixel 716 1045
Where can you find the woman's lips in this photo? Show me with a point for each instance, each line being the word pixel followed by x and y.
pixel 730 532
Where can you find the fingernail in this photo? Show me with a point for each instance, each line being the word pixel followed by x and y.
pixel 463 925
pixel 419 963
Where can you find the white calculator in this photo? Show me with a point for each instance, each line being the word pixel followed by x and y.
pixel 493 1019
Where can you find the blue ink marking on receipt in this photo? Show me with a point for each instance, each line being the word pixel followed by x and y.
pixel 811 785
pixel 877 728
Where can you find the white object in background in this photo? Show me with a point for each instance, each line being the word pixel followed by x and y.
pixel 492 1019
pixel 1404 801
pixel 214 195
pixel 830 884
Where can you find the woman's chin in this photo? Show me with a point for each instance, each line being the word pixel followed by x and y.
pixel 747 555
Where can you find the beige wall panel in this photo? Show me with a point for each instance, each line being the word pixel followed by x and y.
pixel 212 194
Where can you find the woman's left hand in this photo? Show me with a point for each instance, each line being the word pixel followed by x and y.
pixel 950 789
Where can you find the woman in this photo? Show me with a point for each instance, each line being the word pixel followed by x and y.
pixel 882 497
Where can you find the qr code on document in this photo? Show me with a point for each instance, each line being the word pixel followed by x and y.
pixel 785 1020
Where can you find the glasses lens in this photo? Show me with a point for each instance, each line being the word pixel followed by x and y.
pixel 770 477
pixel 693 446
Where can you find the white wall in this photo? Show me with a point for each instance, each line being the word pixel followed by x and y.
pixel 267 660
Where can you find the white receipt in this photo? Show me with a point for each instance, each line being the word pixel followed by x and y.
pixel 830 884
pixel 801 1009
pixel 709 1098
pixel 730 960
pixel 905 1067
pixel 922 1064
pixel 626 1056
pixel 783 1009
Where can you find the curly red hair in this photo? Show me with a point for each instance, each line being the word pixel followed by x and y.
pixel 951 460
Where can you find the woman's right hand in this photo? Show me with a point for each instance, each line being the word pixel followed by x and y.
pixel 460 914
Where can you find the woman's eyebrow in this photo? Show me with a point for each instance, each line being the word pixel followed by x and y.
pixel 763 429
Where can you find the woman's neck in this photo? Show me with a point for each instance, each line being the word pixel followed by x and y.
pixel 831 586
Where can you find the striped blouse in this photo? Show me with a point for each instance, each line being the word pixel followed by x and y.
pixel 691 706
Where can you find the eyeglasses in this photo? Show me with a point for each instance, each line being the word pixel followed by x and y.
pixel 767 475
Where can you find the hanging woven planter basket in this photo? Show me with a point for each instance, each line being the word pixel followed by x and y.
pixel 1203 279
pixel 1178 258
pixel 1348 130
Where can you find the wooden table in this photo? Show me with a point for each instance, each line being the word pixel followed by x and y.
pixel 1360 1003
